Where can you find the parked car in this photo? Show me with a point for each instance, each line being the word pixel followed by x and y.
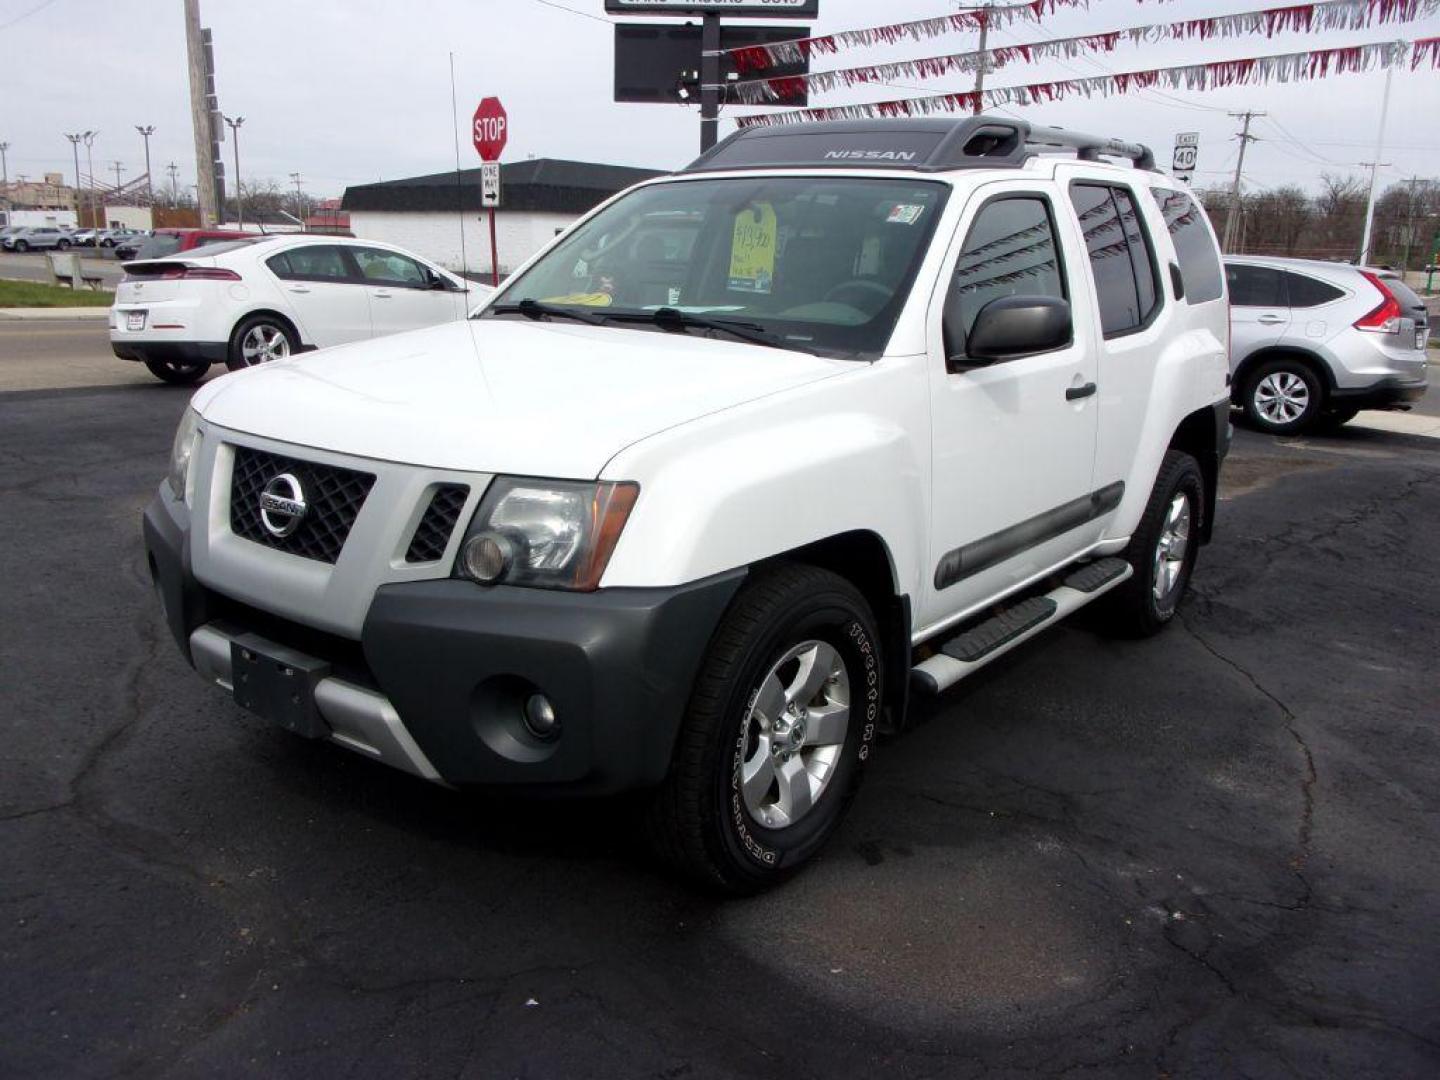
pixel 692 520
pixel 84 237
pixel 111 237
pixel 1312 343
pixel 38 238
pixel 163 242
pixel 244 302
pixel 127 247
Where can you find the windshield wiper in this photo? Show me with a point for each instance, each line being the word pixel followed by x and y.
pixel 535 309
pixel 669 318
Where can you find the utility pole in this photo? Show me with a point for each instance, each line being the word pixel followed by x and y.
pixel 145 132
pixel 200 118
pixel 984 15
pixel 709 80
pixel 1232 219
pixel 118 170
pixel 174 171
pixel 239 195
pixel 1375 166
pixel 4 167
pixel 299 197
pixel 94 222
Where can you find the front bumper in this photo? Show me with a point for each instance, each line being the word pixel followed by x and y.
pixel 437 681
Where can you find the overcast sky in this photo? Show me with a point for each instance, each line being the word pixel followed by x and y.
pixel 351 91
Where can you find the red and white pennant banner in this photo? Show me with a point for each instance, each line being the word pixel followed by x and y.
pixel 760 57
pixel 1250 71
pixel 1326 15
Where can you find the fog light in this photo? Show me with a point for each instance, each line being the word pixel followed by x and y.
pixel 540 717
pixel 486 556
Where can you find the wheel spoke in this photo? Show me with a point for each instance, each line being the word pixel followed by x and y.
pixel 816 666
pixel 793 783
pixel 826 724
pixel 757 774
pixel 770 701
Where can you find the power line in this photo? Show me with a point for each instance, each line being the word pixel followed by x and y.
pixel 573 11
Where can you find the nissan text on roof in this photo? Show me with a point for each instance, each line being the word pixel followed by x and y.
pixel 839 413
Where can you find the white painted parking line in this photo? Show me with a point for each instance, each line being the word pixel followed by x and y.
pixel 1400 423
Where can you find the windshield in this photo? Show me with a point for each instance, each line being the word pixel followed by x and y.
pixel 820 264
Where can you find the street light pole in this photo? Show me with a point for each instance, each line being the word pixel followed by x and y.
pixel 75 147
pixel 145 132
pixel 239 195
pixel 90 171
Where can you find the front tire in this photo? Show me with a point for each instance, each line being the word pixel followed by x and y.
pixel 1162 551
pixel 258 340
pixel 63 245
pixel 779 726
pixel 21 246
pixel 179 372
pixel 1283 397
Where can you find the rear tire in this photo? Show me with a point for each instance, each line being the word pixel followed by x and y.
pixel 1162 551
pixel 260 339
pixel 779 726
pixel 63 245
pixel 179 372
pixel 21 246
pixel 1283 397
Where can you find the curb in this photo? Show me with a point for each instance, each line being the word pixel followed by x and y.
pixel 43 313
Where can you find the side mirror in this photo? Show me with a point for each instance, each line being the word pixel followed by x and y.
pixel 1014 326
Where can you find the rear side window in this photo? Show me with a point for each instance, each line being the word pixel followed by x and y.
pixel 1307 292
pixel 1199 261
pixel 320 262
pixel 1254 286
pixel 1009 251
pixel 1120 255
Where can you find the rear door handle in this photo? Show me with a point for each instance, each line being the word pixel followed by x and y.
pixel 298 288
pixel 1075 393
pixel 380 294
pixel 1269 320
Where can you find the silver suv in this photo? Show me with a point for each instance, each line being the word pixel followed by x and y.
pixel 38 238
pixel 1313 343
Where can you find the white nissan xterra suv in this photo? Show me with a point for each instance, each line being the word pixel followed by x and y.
pixel 748 453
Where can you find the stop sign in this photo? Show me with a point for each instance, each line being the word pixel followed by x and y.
pixel 490 129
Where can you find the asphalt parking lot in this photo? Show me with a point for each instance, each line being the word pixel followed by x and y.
pixel 1209 853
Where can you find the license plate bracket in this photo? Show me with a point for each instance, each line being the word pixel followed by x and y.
pixel 278 684
pixel 135 320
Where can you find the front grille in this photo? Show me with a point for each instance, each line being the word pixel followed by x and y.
pixel 333 498
pixel 433 533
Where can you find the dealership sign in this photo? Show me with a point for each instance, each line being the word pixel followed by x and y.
pixel 780 9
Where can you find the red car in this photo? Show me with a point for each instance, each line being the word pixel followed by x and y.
pixel 163 242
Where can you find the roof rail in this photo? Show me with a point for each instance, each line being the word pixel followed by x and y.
pixel 925 144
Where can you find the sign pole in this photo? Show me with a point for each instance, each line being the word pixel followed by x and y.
pixel 494 258
pixel 709 80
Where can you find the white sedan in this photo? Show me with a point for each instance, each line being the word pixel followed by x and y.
pixel 243 302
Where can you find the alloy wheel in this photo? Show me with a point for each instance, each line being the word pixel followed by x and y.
pixel 262 343
pixel 795 732
pixel 1172 547
pixel 1282 397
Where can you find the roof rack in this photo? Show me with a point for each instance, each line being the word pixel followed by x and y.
pixel 926 144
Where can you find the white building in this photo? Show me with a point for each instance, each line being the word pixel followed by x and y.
pixel 537 198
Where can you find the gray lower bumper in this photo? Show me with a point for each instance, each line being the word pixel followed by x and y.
pixel 358 719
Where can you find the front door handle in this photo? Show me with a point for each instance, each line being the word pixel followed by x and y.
pixel 299 288
pixel 1269 320
pixel 1075 393
pixel 380 294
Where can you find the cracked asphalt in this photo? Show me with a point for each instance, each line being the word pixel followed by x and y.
pixel 1209 853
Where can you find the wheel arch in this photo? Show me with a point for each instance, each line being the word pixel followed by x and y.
pixel 1198 435
pixel 1311 360
pixel 862 558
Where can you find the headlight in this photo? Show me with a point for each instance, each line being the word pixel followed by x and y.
pixel 555 534
pixel 187 435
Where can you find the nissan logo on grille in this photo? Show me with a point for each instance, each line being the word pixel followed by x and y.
pixel 282 505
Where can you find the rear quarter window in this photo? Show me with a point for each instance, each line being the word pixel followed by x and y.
pixel 1308 292
pixel 1194 247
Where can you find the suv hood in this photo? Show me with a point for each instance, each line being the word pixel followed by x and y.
pixel 502 395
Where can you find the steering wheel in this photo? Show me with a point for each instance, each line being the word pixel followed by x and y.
pixel 868 296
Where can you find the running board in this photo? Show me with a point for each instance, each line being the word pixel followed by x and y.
pixel 971 650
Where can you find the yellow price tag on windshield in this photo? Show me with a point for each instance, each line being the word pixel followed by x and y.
pixel 752 250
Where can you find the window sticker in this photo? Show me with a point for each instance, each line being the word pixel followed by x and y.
pixel 752 250
pixel 905 213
